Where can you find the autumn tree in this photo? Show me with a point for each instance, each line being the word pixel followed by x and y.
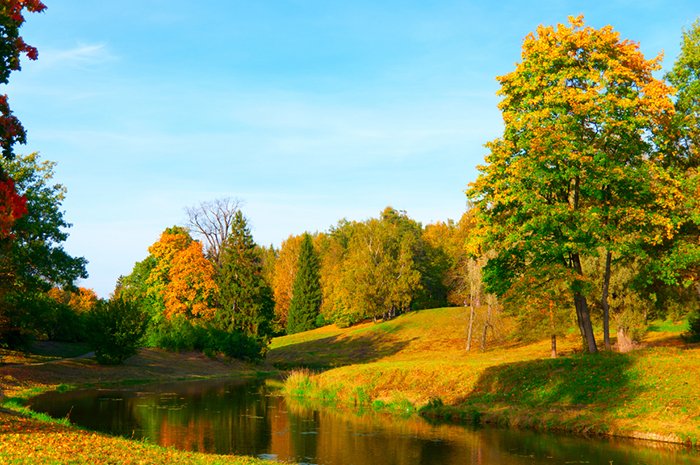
pixel 176 281
pixel 80 300
pixel 64 313
pixel 171 242
pixel 191 290
pixel 578 163
pixel 333 250
pixel 677 259
pixel 380 271
pixel 245 299
pixel 12 46
pixel 306 291
pixel 283 281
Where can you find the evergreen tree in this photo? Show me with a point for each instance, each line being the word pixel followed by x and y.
pixel 245 299
pixel 306 291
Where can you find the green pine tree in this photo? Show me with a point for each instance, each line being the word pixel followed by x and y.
pixel 306 290
pixel 245 299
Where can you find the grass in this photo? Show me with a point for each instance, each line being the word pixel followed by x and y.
pixel 28 441
pixel 28 437
pixel 418 361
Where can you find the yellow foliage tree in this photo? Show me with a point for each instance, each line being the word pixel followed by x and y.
pixel 182 278
pixel 285 272
pixel 191 288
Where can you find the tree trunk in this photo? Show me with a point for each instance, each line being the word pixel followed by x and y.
pixel 554 346
pixel 584 317
pixel 475 302
pixel 604 301
pixel 469 332
pixel 487 324
pixel 586 325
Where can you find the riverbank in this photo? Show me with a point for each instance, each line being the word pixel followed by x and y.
pixel 39 440
pixel 417 362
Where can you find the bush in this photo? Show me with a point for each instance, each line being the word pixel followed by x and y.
pixel 693 333
pixel 115 330
pixel 236 344
pixel 179 334
pixel 175 334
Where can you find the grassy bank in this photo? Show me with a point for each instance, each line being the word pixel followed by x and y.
pixel 30 438
pixel 418 362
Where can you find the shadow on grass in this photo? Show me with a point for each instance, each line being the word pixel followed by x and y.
pixel 336 351
pixel 578 384
pixel 572 381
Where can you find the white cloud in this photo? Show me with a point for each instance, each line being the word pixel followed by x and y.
pixel 80 56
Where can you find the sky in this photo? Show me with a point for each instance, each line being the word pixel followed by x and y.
pixel 307 111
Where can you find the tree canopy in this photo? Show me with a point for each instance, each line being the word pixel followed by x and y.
pixel 579 161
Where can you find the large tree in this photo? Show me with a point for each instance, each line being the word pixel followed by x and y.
pixel 174 281
pixel 577 168
pixel 35 260
pixel 306 291
pixel 381 272
pixel 678 260
pixel 245 299
pixel 12 46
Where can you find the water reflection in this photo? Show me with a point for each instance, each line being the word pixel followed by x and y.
pixel 250 418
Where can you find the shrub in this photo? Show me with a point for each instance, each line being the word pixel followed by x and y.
pixel 179 334
pixel 115 330
pixel 693 333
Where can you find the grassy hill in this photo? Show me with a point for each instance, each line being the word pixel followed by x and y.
pixel 418 361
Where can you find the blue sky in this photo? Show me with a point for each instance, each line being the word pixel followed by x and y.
pixel 307 111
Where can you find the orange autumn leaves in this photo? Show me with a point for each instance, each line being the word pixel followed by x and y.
pixel 82 300
pixel 182 276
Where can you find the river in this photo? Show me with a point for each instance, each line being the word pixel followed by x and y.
pixel 252 418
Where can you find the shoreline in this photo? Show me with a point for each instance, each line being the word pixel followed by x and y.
pixel 34 438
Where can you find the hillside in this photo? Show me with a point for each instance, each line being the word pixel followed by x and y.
pixel 419 359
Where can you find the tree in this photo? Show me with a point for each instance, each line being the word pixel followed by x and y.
pixel 38 259
pixel 434 260
pixel 380 272
pixel 333 251
pixel 306 291
pixel 213 221
pixel 244 297
pixel 12 46
pixel 578 165
pixel 191 289
pixel 457 275
pixel 34 260
pixel 283 281
pixel 677 259
pixel 176 280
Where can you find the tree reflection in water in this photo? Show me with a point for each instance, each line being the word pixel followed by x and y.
pixel 248 417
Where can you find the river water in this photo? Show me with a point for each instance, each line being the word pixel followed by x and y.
pixel 251 418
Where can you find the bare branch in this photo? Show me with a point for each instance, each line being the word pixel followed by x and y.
pixel 212 221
